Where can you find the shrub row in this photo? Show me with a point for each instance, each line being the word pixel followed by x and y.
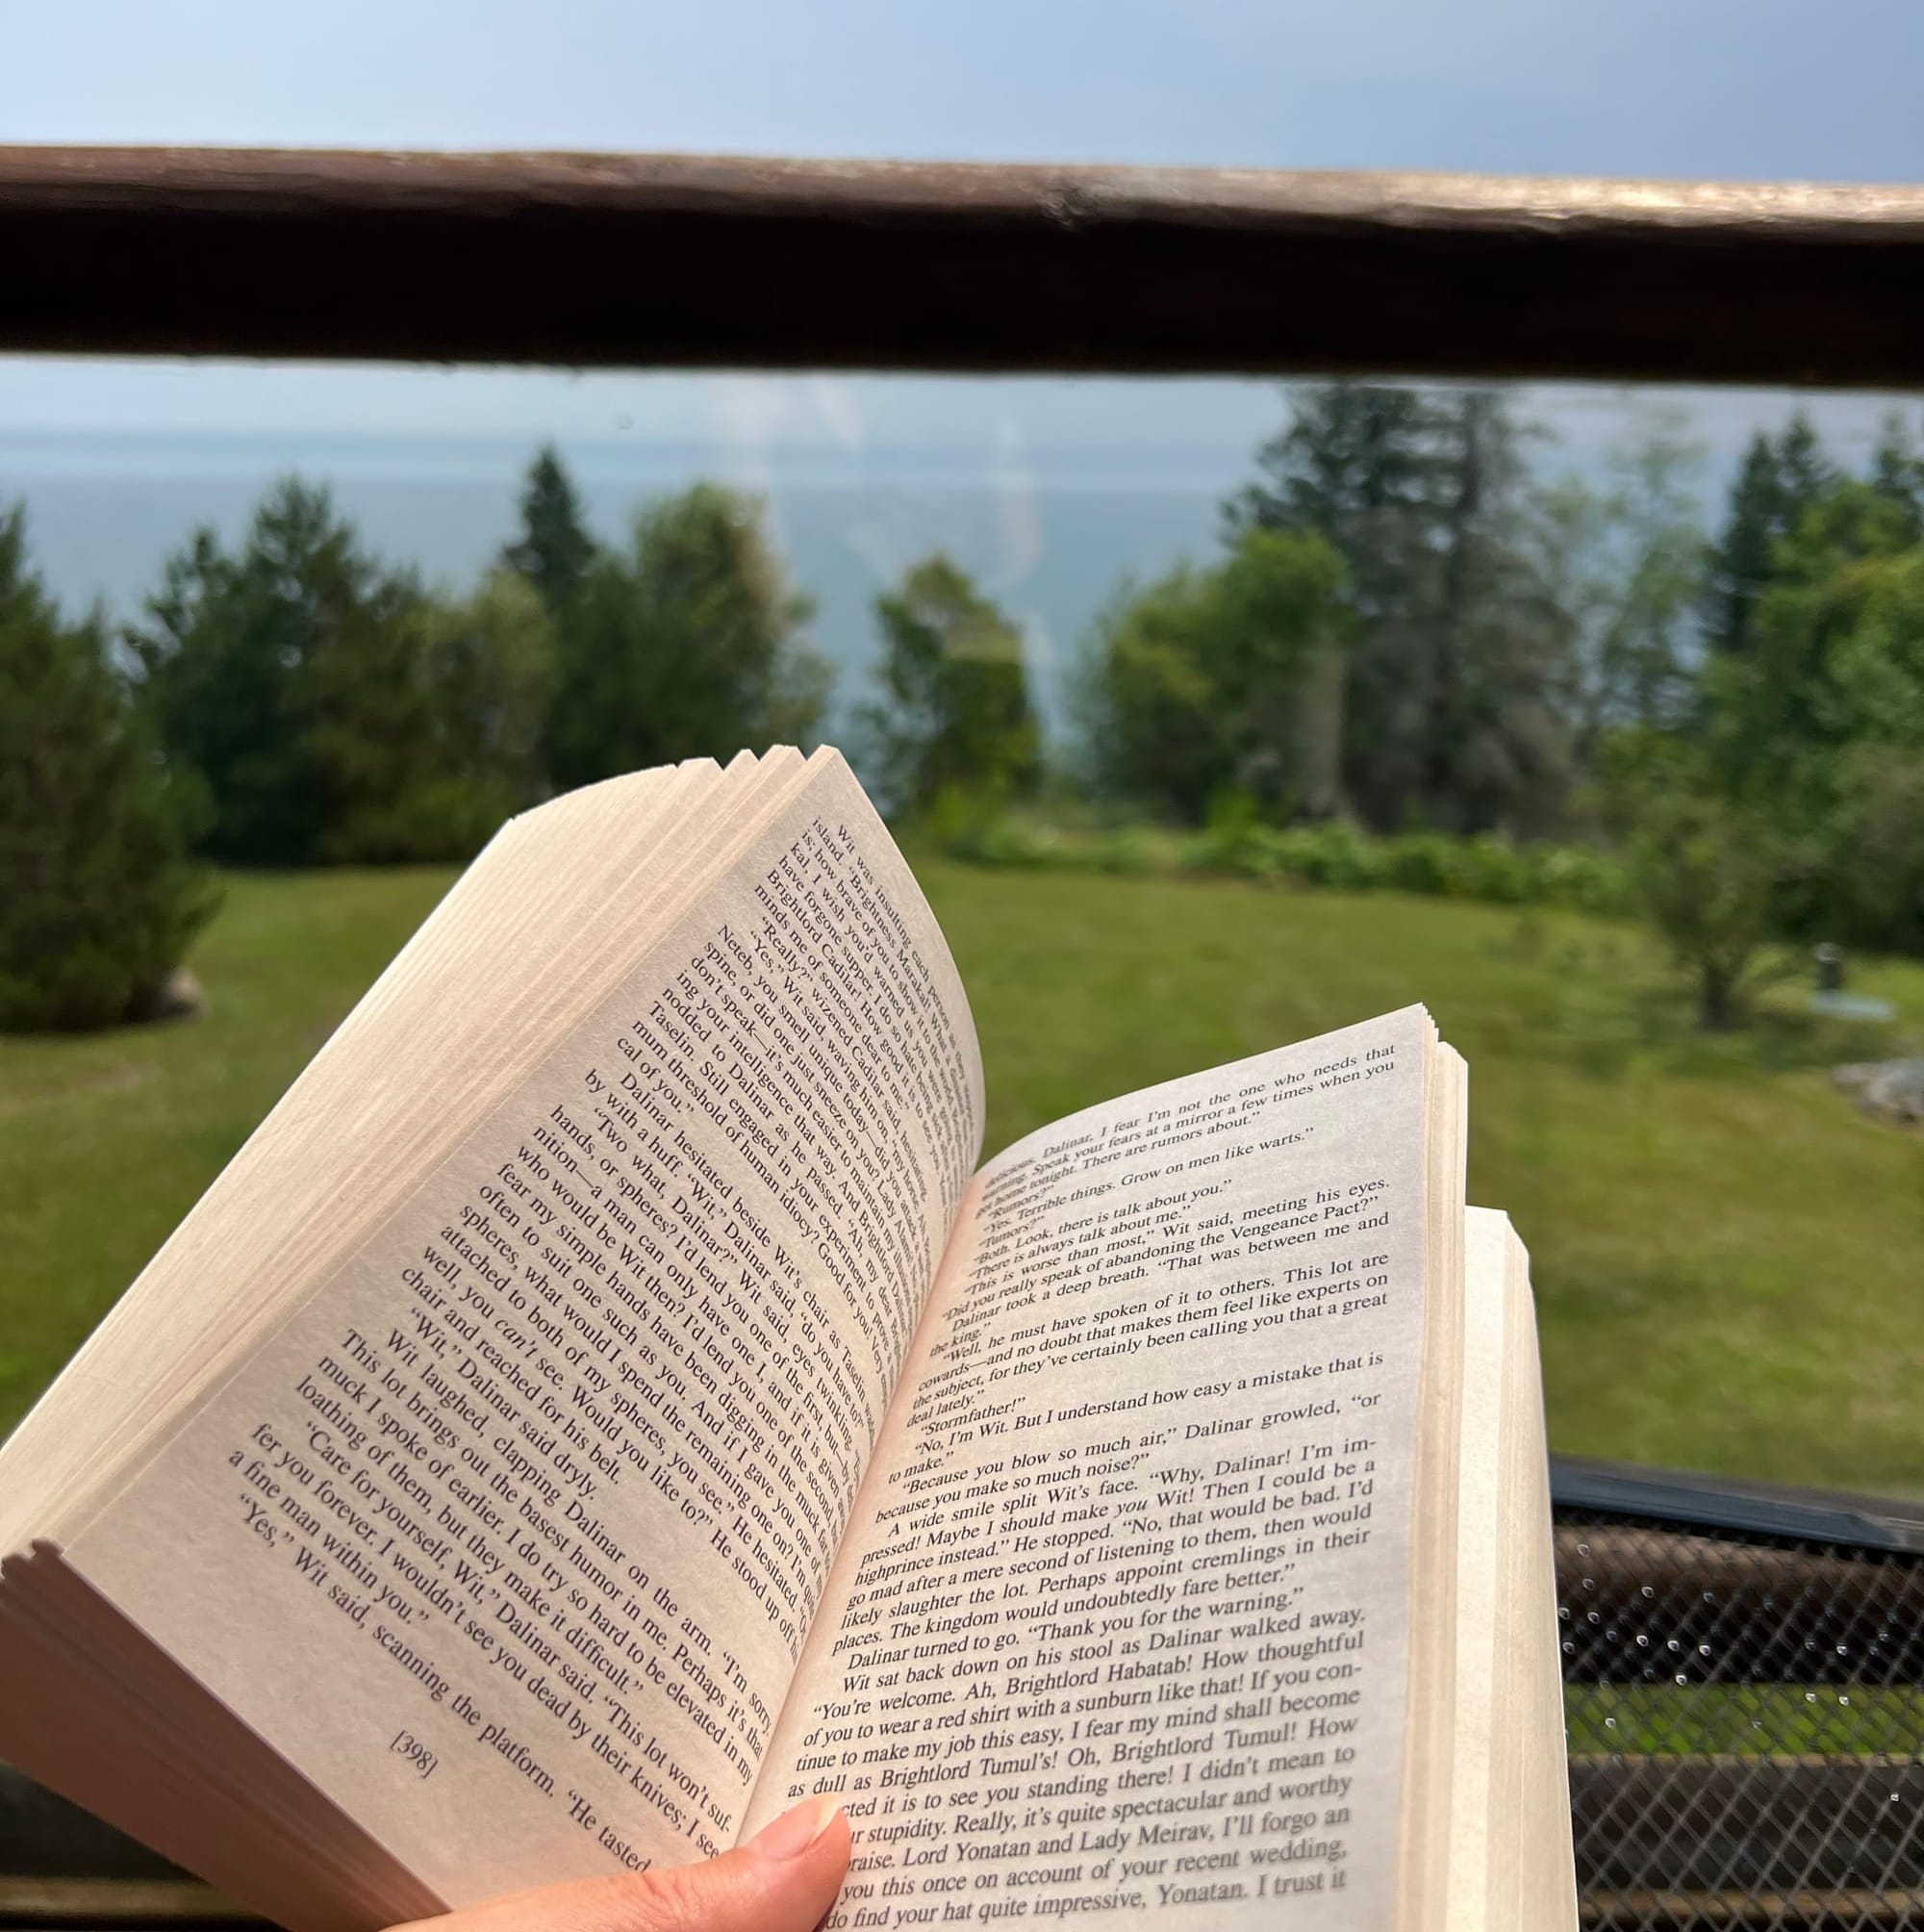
pixel 1480 867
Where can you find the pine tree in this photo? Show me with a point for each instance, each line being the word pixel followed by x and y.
pixel 1776 484
pixel 430 728
pixel 1356 461
pixel 554 548
pixel 286 676
pixel 1740 562
pixel 336 709
pixel 1496 747
pixel 1357 465
pixel 1806 471
pixel 97 898
pixel 1440 700
pixel 1897 471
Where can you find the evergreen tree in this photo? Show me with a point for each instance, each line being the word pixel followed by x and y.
pixel 488 660
pixel 1478 469
pixel 554 548
pixel 97 899
pixel 1897 471
pixel 335 711
pixel 1740 565
pixel 1821 722
pixel 1357 462
pixel 955 710
pixel 685 645
pixel 1495 749
pixel 1357 465
pixel 275 675
pixel 1806 471
pixel 1777 482
pixel 1440 703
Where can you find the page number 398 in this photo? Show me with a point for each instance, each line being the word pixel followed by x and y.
pixel 418 1754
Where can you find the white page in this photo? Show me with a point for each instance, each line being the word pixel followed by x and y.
pixel 1119 1626
pixel 509 1538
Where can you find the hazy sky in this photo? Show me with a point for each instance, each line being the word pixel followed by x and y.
pixel 1752 88
pixel 1703 88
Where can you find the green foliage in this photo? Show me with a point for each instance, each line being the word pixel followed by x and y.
pixel 1897 472
pixel 1848 1719
pixel 1356 460
pixel 450 747
pixel 1780 479
pixel 1821 723
pixel 1202 680
pixel 1873 876
pixel 685 645
pixel 97 898
pixel 1237 842
pixel 263 667
pixel 1478 867
pixel 1399 669
pixel 955 708
pixel 554 549
pixel 1443 709
pixel 1707 866
pixel 1502 633
pixel 333 708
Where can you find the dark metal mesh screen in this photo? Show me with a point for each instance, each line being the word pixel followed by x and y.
pixel 1745 1710
pixel 1746 1722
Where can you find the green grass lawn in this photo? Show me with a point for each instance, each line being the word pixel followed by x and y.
pixel 1745 1719
pixel 1729 1260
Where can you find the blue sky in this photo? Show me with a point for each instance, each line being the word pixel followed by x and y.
pixel 1733 88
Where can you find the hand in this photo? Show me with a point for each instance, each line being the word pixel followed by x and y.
pixel 784 1879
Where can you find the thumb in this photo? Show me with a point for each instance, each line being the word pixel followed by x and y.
pixel 784 1879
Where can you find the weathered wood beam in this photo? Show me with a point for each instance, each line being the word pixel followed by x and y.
pixel 640 261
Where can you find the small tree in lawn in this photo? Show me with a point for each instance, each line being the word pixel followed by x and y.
pixel 97 898
pixel 1707 864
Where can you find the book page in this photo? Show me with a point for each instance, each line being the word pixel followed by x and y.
pixel 1119 1628
pixel 510 1537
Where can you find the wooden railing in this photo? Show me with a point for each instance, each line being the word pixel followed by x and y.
pixel 693 262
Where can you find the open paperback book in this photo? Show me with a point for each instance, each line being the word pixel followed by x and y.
pixel 604 1403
